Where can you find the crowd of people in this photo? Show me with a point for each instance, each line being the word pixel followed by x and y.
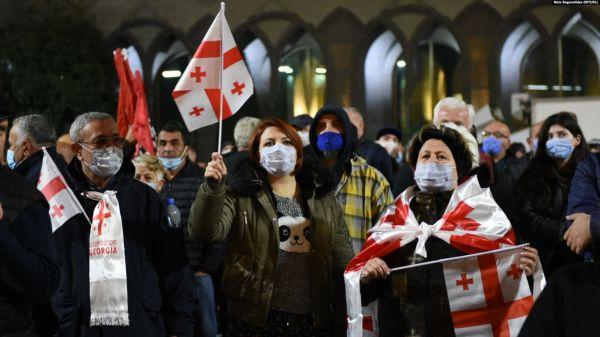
pixel 268 225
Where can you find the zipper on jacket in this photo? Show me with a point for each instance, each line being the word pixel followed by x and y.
pixel 245 217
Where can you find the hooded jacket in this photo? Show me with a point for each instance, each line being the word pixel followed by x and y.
pixel 363 192
pixel 160 292
pixel 244 213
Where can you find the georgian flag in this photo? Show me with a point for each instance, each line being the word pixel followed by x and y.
pixel 472 223
pixel 63 203
pixel 198 92
pixel 488 294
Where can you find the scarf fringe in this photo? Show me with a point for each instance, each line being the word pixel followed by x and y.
pixel 112 319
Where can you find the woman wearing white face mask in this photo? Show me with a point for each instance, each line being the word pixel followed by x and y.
pixel 287 240
pixel 415 302
pixel 542 191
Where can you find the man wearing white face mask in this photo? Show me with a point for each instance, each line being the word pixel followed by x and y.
pixel 302 124
pixel 119 273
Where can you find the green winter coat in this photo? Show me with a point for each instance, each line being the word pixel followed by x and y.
pixel 244 214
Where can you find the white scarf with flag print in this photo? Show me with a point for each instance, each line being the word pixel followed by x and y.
pixel 472 222
pixel 108 273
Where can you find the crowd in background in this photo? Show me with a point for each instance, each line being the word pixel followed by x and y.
pixel 268 225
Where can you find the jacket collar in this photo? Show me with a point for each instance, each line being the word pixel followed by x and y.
pixel 26 165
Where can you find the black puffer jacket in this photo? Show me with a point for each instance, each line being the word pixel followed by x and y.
pixel 204 257
pixel 541 201
pixel 28 271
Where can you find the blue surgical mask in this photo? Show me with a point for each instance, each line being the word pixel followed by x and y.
pixel 400 158
pixel 330 143
pixel 433 177
pixel 492 145
pixel 559 148
pixel 10 159
pixel 535 144
pixel 173 163
pixel 153 185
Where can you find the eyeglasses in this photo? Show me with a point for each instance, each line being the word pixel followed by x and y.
pixel 103 142
pixel 496 134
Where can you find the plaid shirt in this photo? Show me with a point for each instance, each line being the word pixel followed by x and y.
pixel 364 195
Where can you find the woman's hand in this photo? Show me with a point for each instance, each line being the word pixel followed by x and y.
pixel 375 268
pixel 215 169
pixel 528 260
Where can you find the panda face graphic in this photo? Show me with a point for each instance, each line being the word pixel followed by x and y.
pixel 294 234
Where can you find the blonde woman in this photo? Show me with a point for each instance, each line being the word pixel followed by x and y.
pixel 150 171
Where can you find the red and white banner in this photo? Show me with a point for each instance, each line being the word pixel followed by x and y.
pixel 488 295
pixel 63 203
pixel 198 92
pixel 472 223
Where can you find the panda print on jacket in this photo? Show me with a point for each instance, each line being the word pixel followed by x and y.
pixel 294 234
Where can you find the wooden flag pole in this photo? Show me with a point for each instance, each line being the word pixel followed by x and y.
pixel 222 14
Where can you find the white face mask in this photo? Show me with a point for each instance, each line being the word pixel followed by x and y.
pixel 390 146
pixel 278 160
pixel 433 177
pixel 105 162
pixel 304 136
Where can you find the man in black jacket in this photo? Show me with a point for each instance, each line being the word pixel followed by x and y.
pixel 27 136
pixel 373 153
pixel 159 289
pixel 182 183
pixel 28 271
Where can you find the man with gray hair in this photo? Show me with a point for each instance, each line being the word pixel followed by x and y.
pixel 28 135
pixel 126 273
pixel 243 131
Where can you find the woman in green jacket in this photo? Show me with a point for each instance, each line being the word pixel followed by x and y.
pixel 288 244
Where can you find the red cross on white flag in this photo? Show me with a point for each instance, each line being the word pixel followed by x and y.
pixel 63 203
pixel 216 64
pixel 489 295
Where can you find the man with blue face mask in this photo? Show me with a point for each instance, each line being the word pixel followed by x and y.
pixel 183 178
pixel 363 192
pixel 496 141
pixel 125 274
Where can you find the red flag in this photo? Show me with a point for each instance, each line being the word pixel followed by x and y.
pixel 142 129
pixel 127 99
pixel 198 92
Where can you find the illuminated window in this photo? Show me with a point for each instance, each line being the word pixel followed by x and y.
pixel 302 77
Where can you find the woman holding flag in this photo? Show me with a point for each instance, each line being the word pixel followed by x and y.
pixel 445 215
pixel 287 240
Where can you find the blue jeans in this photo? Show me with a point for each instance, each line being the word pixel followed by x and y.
pixel 206 325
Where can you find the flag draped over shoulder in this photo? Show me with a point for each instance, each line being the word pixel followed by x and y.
pixel 472 222
pixel 198 92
